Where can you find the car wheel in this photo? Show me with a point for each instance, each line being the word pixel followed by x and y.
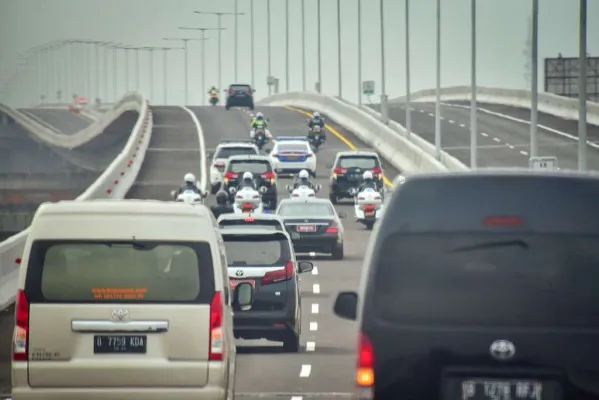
pixel 291 343
pixel 214 189
pixel 227 107
pixel 369 225
pixel 251 107
pixel 337 253
pixel 333 199
pixel 313 173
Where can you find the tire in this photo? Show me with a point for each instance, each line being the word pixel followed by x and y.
pixel 291 343
pixel 227 108
pixel 251 107
pixel 337 253
pixel 369 225
pixel 333 199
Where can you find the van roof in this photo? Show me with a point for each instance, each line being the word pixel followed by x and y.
pixel 253 232
pixel 112 207
pixel 255 216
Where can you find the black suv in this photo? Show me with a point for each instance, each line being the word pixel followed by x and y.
pixel 240 95
pixel 263 173
pixel 482 285
pixel 275 313
pixel 348 168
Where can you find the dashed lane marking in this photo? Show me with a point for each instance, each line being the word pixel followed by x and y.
pixel 310 346
pixel 305 371
pixel 316 288
pixel 315 270
pixel 313 326
pixel 337 134
pixel 315 308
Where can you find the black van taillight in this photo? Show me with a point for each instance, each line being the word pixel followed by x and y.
pixel 365 364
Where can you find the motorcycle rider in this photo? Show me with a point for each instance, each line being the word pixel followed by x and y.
pixel 303 180
pixel 317 120
pixel 247 181
pixel 213 91
pixel 190 183
pixel 222 205
pixel 259 122
pixel 367 182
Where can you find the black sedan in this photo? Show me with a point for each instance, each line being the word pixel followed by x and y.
pixel 314 226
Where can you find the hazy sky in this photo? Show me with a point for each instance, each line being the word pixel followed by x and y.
pixel 502 33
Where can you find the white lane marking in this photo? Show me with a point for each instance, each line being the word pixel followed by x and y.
pixel 310 346
pixel 484 134
pixel 305 371
pixel 316 288
pixel 509 145
pixel 422 111
pixel 462 126
pixel 315 270
pixel 496 139
pixel 522 121
pixel 431 114
pixel 313 326
pixel 523 153
pixel 297 397
pixel 315 308
pixel 451 121
pixel 202 149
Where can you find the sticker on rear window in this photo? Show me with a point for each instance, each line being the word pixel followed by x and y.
pixel 119 293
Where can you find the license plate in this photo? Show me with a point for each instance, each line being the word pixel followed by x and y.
pixel 491 389
pixel 106 344
pixel 369 213
pixel 235 282
pixel 291 158
pixel 306 228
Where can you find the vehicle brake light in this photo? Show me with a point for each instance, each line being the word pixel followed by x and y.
pixel 247 207
pixel 268 175
pixel 340 171
pixel 503 221
pixel 368 208
pixel 20 345
pixel 365 364
pixel 377 171
pixel 275 155
pixel 231 91
pixel 219 164
pixel 217 345
pixel 230 175
pixel 332 230
pixel 249 92
pixel 250 220
pixel 280 275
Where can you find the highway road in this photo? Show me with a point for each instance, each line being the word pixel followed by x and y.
pixel 503 134
pixel 62 121
pixel 324 369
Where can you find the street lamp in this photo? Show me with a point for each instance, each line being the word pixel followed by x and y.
pixel 185 66
pixel 219 16
pixel 165 69
pixel 582 87
pixel 203 55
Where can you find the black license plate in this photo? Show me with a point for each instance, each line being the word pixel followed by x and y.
pixel 106 344
pixel 499 389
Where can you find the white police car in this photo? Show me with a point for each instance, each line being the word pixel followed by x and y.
pixel 291 156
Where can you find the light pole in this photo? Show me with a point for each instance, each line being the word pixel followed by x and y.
pixel 268 45
pixel 339 69
pixel 304 45
pixel 185 62
pixel 137 71
pixel 384 109
pixel 408 78
pixel 203 38
pixel 473 119
pixel 252 57
pixel 287 45
pixel 319 45
pixel 534 90
pixel 438 87
pixel 360 52
pixel 165 51
pixel 151 70
pixel 582 88
pixel 219 16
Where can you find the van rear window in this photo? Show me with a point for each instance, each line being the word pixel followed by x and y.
pixel 258 250
pixel 495 279
pixel 107 271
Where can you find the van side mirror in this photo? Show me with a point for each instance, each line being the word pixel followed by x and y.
pixel 346 305
pixel 305 266
pixel 244 296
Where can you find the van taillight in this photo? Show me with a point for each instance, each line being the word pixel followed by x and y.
pixel 20 345
pixel 217 344
pixel 365 367
pixel 280 275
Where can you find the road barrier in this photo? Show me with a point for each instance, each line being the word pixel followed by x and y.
pixel 114 183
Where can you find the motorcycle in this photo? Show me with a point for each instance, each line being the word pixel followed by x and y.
pixel 214 99
pixel 368 206
pixel 316 137
pixel 248 200
pixel 188 197
pixel 302 192
pixel 260 138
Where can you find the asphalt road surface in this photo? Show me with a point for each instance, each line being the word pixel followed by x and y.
pixel 503 140
pixel 61 120
pixel 324 368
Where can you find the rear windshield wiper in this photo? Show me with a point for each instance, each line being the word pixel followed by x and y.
pixel 490 245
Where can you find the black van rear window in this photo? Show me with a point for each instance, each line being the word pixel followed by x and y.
pixel 114 271
pixel 253 166
pixel 363 162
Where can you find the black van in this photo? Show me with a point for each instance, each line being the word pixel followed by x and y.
pixel 482 286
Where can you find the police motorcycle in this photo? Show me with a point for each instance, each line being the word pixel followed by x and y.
pixel 368 205
pixel 316 137
pixel 214 99
pixel 260 137
pixel 247 200
pixel 188 196
pixel 302 192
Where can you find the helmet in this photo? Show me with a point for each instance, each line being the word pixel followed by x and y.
pixel 221 197
pixel 316 114
pixel 367 175
pixel 259 115
pixel 248 176
pixel 189 178
pixel 303 175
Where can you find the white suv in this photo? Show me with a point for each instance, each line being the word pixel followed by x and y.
pixel 223 151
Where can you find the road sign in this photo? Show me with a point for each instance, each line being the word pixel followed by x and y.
pixel 543 163
pixel 368 88
pixel 270 80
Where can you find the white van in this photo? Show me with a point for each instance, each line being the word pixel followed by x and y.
pixel 124 299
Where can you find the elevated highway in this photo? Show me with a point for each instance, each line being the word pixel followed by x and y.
pixel 60 119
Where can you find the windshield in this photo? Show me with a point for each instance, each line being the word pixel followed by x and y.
pixel 226 152
pixel 292 147
pixel 306 210
pixel 256 251
pixel 242 88
pixel 114 271
pixel 362 162
pixel 255 167
pixel 489 279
